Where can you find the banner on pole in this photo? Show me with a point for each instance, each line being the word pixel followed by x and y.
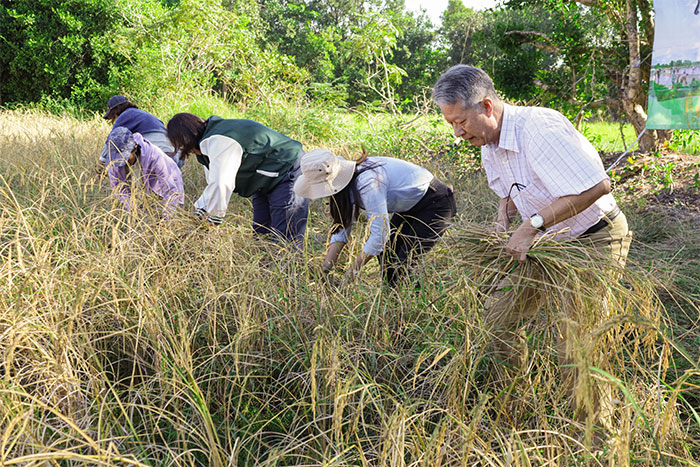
pixel 674 85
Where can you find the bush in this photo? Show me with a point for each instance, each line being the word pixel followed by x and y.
pixel 198 47
pixel 58 49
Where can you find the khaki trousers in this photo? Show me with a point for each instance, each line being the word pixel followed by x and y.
pixel 613 240
pixel 510 306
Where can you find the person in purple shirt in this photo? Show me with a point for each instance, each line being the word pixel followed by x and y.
pixel 160 173
pixel 122 112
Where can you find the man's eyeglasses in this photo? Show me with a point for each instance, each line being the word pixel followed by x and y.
pixel 520 187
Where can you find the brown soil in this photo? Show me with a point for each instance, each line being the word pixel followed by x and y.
pixel 663 181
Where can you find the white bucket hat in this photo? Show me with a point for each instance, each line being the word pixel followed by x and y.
pixel 323 174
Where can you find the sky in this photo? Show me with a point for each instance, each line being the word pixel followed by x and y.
pixel 436 7
pixel 677 34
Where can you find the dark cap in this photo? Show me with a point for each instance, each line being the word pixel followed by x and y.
pixel 113 102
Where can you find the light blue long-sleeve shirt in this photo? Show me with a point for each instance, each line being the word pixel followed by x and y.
pixel 393 186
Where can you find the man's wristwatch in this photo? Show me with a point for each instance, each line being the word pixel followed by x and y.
pixel 537 222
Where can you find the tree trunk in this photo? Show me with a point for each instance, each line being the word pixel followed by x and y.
pixel 633 97
pixel 633 83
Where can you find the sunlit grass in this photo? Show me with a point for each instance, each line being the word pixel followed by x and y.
pixel 126 340
pixel 609 136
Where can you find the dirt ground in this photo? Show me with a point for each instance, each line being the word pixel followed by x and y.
pixel 666 182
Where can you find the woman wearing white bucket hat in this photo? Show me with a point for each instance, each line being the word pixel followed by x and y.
pixel 420 206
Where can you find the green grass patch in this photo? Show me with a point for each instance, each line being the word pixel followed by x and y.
pixel 608 136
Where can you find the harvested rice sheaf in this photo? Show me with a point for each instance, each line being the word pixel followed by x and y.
pixel 568 316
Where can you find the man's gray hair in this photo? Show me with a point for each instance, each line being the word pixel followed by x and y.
pixel 466 84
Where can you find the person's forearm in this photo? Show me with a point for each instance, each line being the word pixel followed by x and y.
pixel 560 210
pixel 568 206
pixel 332 255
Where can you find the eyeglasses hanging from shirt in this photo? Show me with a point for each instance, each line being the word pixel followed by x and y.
pixel 520 187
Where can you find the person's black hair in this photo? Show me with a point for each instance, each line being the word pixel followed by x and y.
pixel 342 210
pixel 185 131
pixel 117 110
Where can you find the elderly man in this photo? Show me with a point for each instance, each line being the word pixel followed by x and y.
pixel 541 166
pixel 537 163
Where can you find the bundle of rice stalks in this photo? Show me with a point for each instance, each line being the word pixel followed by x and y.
pixel 567 325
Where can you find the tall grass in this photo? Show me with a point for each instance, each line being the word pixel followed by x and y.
pixel 126 340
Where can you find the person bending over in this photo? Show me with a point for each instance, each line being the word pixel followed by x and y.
pixel 121 112
pixel 244 157
pixel 159 172
pixel 407 207
pixel 537 163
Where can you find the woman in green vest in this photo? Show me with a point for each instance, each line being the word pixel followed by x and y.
pixel 245 157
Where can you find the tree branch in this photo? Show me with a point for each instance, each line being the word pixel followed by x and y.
pixel 530 37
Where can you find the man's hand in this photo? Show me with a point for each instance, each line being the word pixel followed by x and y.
pixel 521 241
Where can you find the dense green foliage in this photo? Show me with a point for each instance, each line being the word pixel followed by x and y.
pixel 349 53
pixel 200 47
pixel 365 55
pixel 58 49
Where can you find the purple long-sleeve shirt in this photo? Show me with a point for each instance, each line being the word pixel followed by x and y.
pixel 160 176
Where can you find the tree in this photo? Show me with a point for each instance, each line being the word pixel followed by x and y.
pixel 624 56
pixel 59 49
pixel 296 30
pixel 346 45
pixel 416 53
pixel 459 24
pixel 200 46
pixel 377 41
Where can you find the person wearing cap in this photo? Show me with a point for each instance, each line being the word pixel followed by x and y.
pixel 159 172
pixel 123 113
pixel 407 207
pixel 247 158
pixel 537 163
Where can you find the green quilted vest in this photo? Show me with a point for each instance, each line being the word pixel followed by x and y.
pixel 267 154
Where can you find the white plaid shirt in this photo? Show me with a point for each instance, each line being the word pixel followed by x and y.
pixel 541 151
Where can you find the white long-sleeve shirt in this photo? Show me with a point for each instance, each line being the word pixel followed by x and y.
pixel 225 156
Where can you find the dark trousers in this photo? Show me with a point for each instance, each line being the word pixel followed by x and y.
pixel 416 231
pixel 280 212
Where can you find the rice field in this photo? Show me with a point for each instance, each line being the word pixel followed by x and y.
pixel 126 340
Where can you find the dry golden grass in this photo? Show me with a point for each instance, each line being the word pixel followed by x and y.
pixel 130 341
